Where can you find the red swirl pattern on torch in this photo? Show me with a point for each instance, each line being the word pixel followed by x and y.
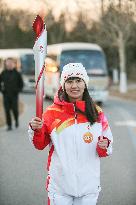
pixel 40 75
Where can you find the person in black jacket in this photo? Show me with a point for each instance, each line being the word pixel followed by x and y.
pixel 11 83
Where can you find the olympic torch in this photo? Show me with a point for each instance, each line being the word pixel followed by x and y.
pixel 40 51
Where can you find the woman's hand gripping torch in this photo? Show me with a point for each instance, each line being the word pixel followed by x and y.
pixel 40 51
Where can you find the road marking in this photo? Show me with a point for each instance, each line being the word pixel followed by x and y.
pixel 129 123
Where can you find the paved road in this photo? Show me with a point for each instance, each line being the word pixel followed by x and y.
pixel 23 169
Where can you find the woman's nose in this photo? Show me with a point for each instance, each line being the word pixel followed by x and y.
pixel 74 84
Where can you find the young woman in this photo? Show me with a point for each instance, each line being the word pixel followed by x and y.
pixel 78 134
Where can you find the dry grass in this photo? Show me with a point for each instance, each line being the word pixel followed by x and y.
pixel 2 114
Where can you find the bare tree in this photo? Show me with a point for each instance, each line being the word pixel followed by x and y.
pixel 116 26
pixel 56 28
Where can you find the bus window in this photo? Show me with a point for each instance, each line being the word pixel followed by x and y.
pixel 27 64
pixel 28 72
pixel 93 60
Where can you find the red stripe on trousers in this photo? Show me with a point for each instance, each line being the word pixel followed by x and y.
pixel 49 201
pixel 49 156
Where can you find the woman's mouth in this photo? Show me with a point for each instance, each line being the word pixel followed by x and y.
pixel 74 91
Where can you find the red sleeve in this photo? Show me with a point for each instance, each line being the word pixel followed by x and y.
pixel 102 152
pixel 41 138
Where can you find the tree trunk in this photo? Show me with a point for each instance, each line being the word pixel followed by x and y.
pixel 102 7
pixel 122 60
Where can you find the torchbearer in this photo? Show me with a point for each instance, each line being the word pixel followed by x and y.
pixel 40 51
pixel 78 134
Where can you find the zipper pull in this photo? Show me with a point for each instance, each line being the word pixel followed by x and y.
pixel 75 111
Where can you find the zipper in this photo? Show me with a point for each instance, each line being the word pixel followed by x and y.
pixel 75 114
pixel 76 152
pixel 75 118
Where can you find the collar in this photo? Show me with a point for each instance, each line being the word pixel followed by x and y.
pixel 70 107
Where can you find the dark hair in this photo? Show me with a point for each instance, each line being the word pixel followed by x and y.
pixel 90 107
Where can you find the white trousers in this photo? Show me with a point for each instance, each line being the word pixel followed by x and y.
pixel 56 199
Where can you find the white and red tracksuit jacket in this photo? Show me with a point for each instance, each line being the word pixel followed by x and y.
pixel 74 156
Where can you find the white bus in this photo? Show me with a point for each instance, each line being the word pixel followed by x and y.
pixel 93 59
pixel 24 60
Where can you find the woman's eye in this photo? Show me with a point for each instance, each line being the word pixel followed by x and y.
pixel 76 81
pixel 79 80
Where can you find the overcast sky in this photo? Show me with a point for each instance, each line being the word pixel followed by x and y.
pixel 93 6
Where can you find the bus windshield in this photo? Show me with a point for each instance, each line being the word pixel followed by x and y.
pixel 93 60
pixel 27 64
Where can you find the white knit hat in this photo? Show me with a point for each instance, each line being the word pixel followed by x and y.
pixel 74 70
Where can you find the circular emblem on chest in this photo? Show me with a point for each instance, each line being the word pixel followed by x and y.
pixel 88 137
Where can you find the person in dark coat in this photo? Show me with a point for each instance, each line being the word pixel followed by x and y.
pixel 11 83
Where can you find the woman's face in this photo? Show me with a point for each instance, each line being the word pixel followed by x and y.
pixel 74 88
